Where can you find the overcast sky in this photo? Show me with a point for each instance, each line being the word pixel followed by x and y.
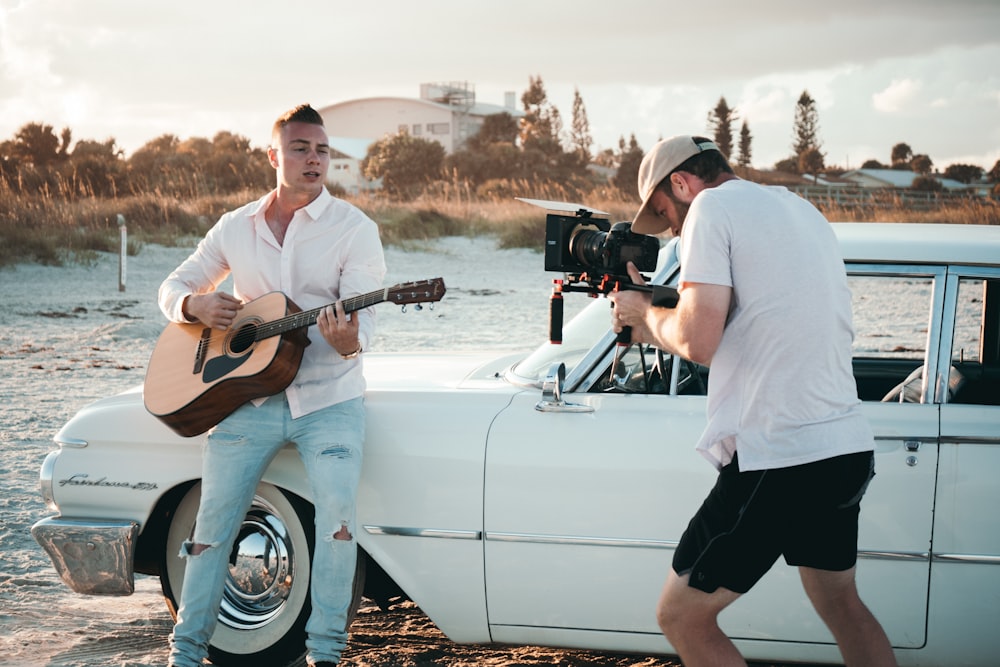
pixel 923 72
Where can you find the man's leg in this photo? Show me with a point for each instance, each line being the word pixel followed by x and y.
pixel 232 465
pixel 859 635
pixel 330 442
pixel 688 618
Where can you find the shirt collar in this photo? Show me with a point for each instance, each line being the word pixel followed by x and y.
pixel 313 209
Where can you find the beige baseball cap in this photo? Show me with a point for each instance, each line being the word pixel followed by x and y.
pixel 663 158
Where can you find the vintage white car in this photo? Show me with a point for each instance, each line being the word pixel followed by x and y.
pixel 538 500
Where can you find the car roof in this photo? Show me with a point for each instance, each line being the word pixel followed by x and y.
pixel 919 243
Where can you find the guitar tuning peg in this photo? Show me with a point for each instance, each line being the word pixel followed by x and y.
pixel 402 308
pixel 418 307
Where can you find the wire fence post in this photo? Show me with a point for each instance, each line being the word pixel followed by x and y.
pixel 123 254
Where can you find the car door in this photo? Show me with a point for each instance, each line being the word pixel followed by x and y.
pixel 965 587
pixel 582 509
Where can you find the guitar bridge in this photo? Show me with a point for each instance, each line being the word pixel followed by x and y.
pixel 199 355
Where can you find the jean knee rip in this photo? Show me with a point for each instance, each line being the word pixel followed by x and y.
pixel 338 451
pixel 344 534
pixel 188 545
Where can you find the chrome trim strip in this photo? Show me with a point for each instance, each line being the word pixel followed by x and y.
pixel 637 543
pixel 76 443
pixel 944 439
pixel 969 440
pixel 582 541
pixel 981 559
pixel 424 532
pixel 895 555
pixel 45 477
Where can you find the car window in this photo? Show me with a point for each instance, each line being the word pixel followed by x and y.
pixel 968 321
pixel 588 332
pixel 891 315
pixel 643 369
pixel 578 336
pixel 974 375
pixel 891 319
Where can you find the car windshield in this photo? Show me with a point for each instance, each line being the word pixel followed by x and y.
pixel 586 329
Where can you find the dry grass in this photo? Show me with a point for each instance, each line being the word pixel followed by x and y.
pixel 49 229
pixel 965 212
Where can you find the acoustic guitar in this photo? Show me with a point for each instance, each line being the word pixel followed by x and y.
pixel 197 375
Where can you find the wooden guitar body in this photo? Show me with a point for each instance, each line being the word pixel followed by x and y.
pixel 197 375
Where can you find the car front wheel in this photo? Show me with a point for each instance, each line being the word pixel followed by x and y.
pixel 265 603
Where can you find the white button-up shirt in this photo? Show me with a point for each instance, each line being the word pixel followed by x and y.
pixel 331 251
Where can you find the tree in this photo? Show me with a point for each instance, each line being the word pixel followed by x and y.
pixel 36 144
pixel 743 157
pixel 95 168
pixel 607 158
pixel 788 165
pixel 497 161
pixel 232 164
pixel 872 164
pixel 926 184
pixel 630 157
pixel 901 156
pixel 922 164
pixel 580 132
pixel 500 128
pixel 489 154
pixel 806 128
pixel 994 173
pixel 811 162
pixel 963 173
pixel 720 125
pixel 541 124
pixel 403 162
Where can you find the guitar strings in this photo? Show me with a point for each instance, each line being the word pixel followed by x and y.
pixel 249 333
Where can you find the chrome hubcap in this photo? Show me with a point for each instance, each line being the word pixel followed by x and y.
pixel 261 570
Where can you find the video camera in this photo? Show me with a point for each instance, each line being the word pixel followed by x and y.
pixel 585 245
pixel 593 254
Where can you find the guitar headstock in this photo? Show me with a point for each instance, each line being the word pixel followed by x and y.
pixel 420 291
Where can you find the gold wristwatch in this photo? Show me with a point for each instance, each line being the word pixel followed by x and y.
pixel 352 355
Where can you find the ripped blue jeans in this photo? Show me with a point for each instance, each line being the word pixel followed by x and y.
pixel 330 444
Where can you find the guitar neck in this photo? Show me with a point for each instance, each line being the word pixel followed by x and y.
pixel 307 318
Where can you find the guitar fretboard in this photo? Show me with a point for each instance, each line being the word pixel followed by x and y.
pixel 307 318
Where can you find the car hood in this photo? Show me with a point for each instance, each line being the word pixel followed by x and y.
pixel 428 370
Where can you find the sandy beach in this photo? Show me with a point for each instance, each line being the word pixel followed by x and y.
pixel 68 336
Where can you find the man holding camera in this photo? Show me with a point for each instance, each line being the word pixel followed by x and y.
pixel 763 301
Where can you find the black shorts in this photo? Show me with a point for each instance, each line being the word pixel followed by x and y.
pixel 807 513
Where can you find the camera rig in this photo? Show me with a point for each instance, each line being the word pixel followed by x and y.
pixel 593 255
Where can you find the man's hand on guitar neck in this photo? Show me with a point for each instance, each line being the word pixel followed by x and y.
pixel 340 330
pixel 215 309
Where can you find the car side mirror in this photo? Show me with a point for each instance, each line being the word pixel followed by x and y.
pixel 552 388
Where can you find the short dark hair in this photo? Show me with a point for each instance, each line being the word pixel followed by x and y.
pixel 303 113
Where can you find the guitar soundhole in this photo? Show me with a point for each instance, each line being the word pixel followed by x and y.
pixel 243 339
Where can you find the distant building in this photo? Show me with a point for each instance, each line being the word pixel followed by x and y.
pixel 447 113
pixel 895 178
pixel 346 155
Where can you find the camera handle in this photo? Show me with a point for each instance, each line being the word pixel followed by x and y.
pixel 556 313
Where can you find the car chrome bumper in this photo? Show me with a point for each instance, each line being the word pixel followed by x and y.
pixel 91 557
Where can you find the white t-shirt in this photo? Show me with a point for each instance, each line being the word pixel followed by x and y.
pixel 781 389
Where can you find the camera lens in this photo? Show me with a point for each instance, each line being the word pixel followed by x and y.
pixel 587 247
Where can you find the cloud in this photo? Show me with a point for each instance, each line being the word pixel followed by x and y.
pixel 900 94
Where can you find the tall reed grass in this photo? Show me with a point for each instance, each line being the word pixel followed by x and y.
pixel 48 229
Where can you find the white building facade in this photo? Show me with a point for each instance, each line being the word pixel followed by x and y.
pixel 447 113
